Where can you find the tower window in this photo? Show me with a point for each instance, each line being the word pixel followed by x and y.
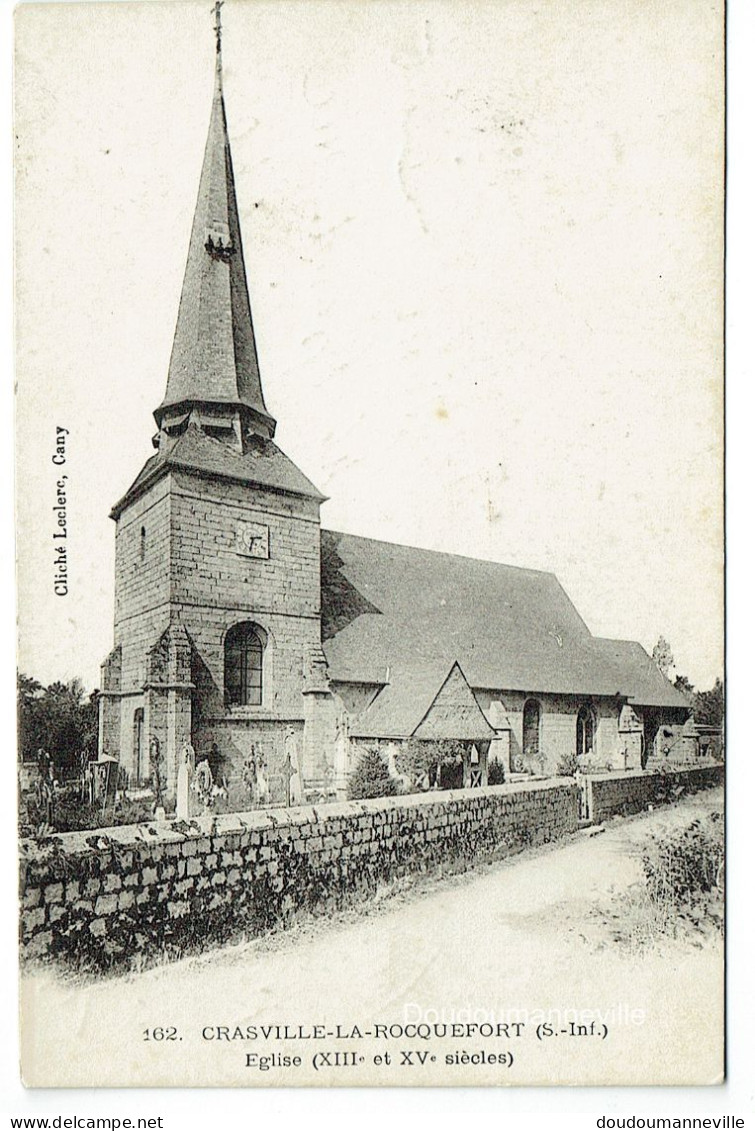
pixel 142 544
pixel 244 649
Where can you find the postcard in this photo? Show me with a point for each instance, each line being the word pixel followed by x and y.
pixel 370 543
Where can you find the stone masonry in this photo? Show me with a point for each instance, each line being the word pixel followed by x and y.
pixel 609 795
pixel 177 565
pixel 109 897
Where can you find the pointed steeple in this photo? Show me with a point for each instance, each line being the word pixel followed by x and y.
pixel 214 375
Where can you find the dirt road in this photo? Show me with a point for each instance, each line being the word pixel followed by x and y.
pixel 517 943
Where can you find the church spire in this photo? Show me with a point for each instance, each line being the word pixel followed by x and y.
pixel 214 372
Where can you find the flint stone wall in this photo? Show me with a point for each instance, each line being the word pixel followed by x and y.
pixel 104 897
pixel 609 795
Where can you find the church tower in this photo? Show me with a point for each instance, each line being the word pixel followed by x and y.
pixel 217 573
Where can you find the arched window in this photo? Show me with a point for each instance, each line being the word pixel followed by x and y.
pixel 531 729
pixel 244 647
pixel 585 731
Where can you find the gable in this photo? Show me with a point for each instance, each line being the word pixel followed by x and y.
pixel 455 713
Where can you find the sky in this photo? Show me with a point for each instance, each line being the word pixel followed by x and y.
pixel 484 254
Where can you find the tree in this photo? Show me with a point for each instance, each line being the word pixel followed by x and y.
pixel 708 706
pixel 30 724
pixel 60 719
pixel 419 757
pixel 683 685
pixel 496 772
pixel 662 656
pixel 370 777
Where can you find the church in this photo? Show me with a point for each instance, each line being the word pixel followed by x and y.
pixel 243 628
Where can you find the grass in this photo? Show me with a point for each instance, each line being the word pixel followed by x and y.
pixel 681 895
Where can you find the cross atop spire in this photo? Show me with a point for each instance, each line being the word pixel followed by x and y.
pixel 218 25
pixel 214 371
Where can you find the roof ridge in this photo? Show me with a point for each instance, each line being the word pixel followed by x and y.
pixel 617 640
pixel 441 553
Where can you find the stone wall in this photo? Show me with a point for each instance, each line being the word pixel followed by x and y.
pixel 178 564
pixel 214 587
pixel 106 897
pixel 233 740
pixel 142 579
pixel 618 731
pixel 607 795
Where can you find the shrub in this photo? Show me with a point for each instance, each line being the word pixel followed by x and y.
pixel 496 772
pixel 568 765
pixel 681 867
pixel 71 814
pixel 420 758
pixel 370 777
pixel 681 895
pixel 60 718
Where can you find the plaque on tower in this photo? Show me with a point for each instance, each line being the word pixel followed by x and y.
pixel 253 539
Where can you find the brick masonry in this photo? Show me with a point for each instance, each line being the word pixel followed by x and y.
pixel 106 898
pixel 608 795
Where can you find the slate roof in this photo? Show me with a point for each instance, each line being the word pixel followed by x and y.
pixel 195 451
pixel 430 703
pixel 454 713
pixel 401 616
pixel 627 661
pixel 401 705
pixel 214 356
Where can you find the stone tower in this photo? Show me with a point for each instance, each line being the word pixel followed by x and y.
pixel 217 574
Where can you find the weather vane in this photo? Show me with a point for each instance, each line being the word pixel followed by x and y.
pixel 218 27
